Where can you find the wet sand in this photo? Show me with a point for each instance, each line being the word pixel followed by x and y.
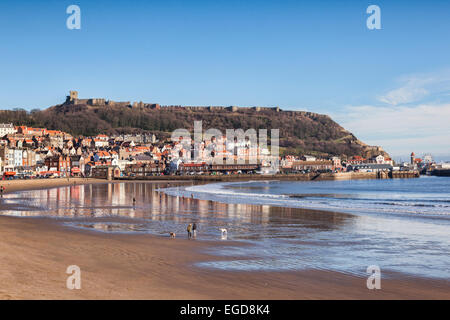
pixel 32 184
pixel 17 185
pixel 35 253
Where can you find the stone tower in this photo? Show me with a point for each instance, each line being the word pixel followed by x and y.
pixel 73 95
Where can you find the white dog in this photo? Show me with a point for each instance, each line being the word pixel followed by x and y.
pixel 173 235
pixel 224 233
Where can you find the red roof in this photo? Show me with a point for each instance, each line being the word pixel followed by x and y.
pixel 194 164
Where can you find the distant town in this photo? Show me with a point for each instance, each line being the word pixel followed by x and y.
pixel 27 152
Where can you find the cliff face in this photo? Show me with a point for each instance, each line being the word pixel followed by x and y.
pixel 300 132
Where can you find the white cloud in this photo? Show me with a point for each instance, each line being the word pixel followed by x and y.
pixel 404 95
pixel 415 116
pixel 401 129
pixel 415 88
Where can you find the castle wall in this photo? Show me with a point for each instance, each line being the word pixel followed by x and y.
pixel 72 99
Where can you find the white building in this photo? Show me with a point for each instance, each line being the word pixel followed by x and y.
pixel 115 160
pixel 123 163
pixel 9 160
pixel 336 162
pixel 101 143
pixel 444 165
pixel 427 158
pixel 18 157
pixel 309 158
pixel 6 128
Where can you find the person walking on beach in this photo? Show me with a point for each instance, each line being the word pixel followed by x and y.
pixel 189 230
pixel 194 229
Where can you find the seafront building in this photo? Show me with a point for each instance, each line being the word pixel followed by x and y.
pixel 27 151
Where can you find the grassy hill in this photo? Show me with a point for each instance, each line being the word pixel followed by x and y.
pixel 300 132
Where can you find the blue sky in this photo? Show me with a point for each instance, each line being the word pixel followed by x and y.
pixel 391 87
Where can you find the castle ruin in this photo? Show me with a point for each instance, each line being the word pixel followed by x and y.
pixel 72 99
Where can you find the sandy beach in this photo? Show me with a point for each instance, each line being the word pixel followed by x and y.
pixel 35 253
pixel 18 185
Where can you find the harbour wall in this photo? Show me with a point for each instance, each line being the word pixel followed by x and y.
pixel 285 177
pixel 441 172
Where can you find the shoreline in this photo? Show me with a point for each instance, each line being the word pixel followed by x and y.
pixel 34 255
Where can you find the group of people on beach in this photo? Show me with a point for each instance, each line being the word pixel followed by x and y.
pixel 192 230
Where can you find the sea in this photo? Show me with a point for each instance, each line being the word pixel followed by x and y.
pixel 401 226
